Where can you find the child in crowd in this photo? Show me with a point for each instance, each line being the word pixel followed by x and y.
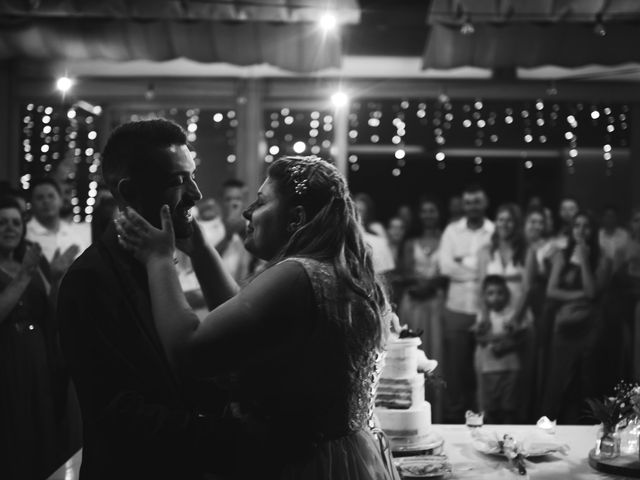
pixel 496 357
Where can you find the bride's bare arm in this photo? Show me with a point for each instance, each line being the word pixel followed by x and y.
pixel 250 322
pixel 276 305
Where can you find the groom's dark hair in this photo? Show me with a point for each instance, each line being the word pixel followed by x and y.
pixel 132 148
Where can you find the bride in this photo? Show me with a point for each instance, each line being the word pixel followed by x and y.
pixel 298 347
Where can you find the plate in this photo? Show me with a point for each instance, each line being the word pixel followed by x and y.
pixel 530 442
pixel 430 467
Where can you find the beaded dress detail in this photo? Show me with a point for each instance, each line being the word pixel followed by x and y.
pixel 360 452
pixel 364 365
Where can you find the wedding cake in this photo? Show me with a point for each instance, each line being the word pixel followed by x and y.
pixel 401 409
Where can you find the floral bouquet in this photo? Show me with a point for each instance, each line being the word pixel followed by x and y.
pixel 615 413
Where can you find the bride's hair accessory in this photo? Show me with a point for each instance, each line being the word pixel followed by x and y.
pixel 300 172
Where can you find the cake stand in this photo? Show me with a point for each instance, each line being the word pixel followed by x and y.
pixel 624 464
pixel 432 445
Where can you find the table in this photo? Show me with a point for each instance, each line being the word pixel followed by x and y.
pixel 470 464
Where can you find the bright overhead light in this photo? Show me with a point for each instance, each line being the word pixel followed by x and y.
pixel 339 99
pixel 328 21
pixel 64 84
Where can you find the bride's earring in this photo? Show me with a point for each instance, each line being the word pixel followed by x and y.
pixel 292 227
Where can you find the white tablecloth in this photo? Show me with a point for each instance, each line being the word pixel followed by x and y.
pixel 470 464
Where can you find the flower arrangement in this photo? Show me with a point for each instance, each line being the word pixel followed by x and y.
pixel 618 409
pixel 619 415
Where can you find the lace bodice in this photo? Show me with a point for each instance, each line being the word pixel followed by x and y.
pixel 335 307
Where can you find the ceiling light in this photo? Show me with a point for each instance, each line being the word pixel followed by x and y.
pixel 328 21
pixel 64 84
pixel 339 99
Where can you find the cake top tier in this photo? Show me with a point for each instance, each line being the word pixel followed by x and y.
pixel 401 360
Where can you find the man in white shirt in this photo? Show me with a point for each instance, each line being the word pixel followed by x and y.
pixel 61 241
pixel 461 242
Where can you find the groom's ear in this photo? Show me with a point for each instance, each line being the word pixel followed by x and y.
pixel 126 190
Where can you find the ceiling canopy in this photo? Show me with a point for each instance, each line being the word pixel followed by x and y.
pixel 498 35
pixel 283 33
pixel 502 34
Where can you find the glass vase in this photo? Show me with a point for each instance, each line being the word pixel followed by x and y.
pixel 629 436
pixel 607 443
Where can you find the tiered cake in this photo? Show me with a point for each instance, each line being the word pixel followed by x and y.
pixel 402 411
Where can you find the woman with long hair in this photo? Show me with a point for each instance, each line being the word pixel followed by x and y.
pixel 505 256
pixel 579 274
pixel 423 299
pixel 298 348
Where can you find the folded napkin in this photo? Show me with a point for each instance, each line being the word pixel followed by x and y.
pixel 528 443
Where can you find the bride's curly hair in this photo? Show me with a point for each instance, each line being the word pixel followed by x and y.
pixel 332 232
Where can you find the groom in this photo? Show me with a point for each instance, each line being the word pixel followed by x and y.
pixel 138 417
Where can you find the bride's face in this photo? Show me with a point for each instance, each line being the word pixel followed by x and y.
pixel 267 227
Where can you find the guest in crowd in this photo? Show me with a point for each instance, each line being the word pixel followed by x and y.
pixel 375 235
pixel 423 299
pixel 535 228
pixel 568 208
pixel 579 274
pixel 7 190
pixel 505 257
pixel 535 203
pixel 455 209
pixel 310 327
pixel 209 217
pixel 537 268
pixel 497 361
pixel 367 210
pixel 461 244
pixel 405 212
pixel 29 441
pixel 397 235
pixel 624 306
pixel 211 221
pixel 612 238
pixel 237 260
pixel 61 241
pixel 234 195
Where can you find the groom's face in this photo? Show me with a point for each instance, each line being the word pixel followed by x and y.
pixel 171 182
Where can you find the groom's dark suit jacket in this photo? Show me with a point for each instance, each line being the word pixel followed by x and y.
pixel 137 419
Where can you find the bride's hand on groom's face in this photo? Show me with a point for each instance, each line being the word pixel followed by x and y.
pixel 194 242
pixel 142 239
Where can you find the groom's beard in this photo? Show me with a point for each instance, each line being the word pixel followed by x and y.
pixel 182 229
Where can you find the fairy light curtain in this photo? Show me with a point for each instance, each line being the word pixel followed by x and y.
pixel 298 132
pixel 61 143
